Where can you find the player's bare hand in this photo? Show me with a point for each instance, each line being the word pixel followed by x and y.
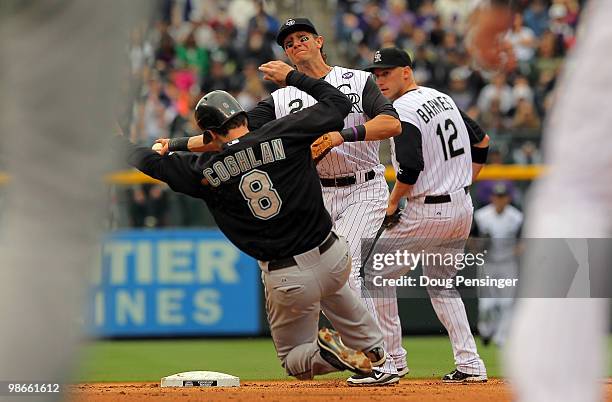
pixel 161 146
pixel 485 40
pixel 276 71
pixel 322 145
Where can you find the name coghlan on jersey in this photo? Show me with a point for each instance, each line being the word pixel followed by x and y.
pixel 243 161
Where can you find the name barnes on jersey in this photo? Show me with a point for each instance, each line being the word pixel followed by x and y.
pixel 433 107
pixel 243 161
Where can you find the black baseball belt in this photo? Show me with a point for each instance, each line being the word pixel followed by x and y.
pixel 441 199
pixel 345 180
pixel 290 261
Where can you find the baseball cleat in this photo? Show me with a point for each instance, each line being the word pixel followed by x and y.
pixel 340 356
pixel 377 356
pixel 403 371
pixel 457 376
pixel 376 378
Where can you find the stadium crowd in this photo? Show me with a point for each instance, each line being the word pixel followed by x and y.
pixel 201 45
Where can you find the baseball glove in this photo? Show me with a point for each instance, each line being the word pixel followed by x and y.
pixel 321 147
pixel 392 220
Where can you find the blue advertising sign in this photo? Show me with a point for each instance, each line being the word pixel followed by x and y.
pixel 174 282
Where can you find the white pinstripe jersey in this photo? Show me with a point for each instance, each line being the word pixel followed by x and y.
pixel 349 157
pixel 446 142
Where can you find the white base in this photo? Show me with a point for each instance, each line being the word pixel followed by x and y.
pixel 200 379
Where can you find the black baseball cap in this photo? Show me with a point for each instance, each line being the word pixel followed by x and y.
pixel 294 25
pixel 389 57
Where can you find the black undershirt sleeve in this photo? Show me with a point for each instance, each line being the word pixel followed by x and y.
pixel 176 169
pixel 374 102
pixel 261 114
pixel 409 153
pixel 475 132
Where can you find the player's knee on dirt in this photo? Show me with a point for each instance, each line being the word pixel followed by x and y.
pixel 304 362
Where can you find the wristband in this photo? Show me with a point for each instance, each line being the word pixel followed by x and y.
pixel 354 134
pixel 178 144
pixel 479 155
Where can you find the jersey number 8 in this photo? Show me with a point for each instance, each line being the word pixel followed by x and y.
pixel 262 198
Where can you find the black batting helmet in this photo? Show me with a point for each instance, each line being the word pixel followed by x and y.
pixel 215 109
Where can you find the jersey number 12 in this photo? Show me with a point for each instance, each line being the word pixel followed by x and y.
pixel 262 198
pixel 449 127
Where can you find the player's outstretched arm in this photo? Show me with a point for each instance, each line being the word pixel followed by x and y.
pixel 196 143
pixel 175 170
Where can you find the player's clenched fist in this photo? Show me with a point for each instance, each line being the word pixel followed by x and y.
pixel 276 71
pixel 324 144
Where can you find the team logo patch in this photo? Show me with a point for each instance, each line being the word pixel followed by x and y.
pixel 353 97
pixel 348 75
pixel 225 105
pixel 290 22
pixel 377 57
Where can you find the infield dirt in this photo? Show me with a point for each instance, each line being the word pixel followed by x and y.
pixel 292 391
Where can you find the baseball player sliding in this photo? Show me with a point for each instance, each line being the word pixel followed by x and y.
pixel 437 156
pixel 279 219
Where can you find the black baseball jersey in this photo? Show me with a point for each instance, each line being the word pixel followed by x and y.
pixel 262 189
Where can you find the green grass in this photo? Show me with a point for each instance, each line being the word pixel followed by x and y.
pixel 249 359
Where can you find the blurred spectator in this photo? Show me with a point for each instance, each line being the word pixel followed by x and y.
pixel 559 24
pixel 427 16
pixel 525 118
pixel 399 16
pixel 536 17
pixel 264 23
pixel 523 40
pixel 166 50
pixel 458 87
pixel 191 56
pixel 257 48
pixel 422 67
pixel 154 114
pixel 492 118
pixel 454 13
pixel 498 92
pixel 217 79
pixel 527 154
pixel 522 90
pixel 242 11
